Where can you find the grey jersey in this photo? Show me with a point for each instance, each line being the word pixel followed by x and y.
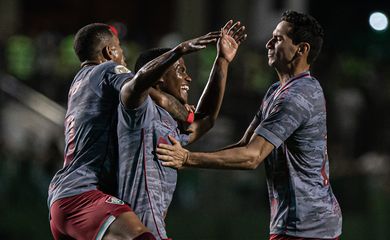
pixel 293 118
pixel 143 182
pixel 90 132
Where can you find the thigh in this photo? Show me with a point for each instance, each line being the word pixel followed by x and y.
pixel 57 235
pixel 126 226
pixel 84 216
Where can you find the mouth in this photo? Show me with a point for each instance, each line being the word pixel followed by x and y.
pixel 185 88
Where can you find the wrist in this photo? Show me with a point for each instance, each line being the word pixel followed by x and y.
pixel 222 60
pixel 186 158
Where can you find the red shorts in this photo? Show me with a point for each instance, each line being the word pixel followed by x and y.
pixel 284 237
pixel 84 216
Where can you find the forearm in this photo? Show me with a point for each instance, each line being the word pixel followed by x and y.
pixel 234 158
pixel 134 92
pixel 151 72
pixel 248 156
pixel 210 101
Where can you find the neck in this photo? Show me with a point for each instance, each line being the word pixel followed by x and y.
pixel 90 62
pixel 284 76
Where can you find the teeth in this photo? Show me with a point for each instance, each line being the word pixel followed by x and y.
pixel 185 87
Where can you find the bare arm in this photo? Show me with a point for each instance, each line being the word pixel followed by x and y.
pixel 210 102
pixel 135 91
pixel 170 103
pixel 245 157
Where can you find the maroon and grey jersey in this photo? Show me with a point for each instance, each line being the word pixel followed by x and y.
pixel 143 182
pixel 90 130
pixel 293 118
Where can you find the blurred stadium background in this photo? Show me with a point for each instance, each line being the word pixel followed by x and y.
pixel 37 65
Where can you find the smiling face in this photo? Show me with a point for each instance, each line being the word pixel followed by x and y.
pixel 176 81
pixel 281 50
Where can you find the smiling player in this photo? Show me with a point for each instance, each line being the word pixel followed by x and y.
pixel 143 182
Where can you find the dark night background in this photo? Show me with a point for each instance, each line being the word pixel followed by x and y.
pixel 37 65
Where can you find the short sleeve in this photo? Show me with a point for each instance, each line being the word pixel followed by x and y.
pixel 117 75
pixel 288 113
pixel 139 117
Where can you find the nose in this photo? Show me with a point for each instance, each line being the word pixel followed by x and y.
pixel 188 78
pixel 269 44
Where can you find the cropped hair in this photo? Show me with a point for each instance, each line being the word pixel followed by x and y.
pixel 148 56
pixel 91 39
pixel 305 28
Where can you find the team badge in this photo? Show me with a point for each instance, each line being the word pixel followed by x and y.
pixel 121 69
pixel 114 200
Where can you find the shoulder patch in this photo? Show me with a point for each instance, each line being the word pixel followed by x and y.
pixel 114 200
pixel 121 69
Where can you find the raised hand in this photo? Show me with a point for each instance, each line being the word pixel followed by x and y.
pixel 199 43
pixel 232 36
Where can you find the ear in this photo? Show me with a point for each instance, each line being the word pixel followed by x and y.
pixel 107 53
pixel 303 48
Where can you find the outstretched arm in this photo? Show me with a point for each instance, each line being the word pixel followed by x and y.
pixel 210 102
pixel 135 91
pixel 244 157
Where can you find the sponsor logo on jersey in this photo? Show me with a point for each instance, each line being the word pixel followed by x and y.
pixel 114 200
pixel 121 69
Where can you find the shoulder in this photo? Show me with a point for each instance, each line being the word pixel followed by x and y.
pixel 272 89
pixel 308 87
pixel 112 67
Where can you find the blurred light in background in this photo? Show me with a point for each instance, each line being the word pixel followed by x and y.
pixel 378 21
pixel 20 53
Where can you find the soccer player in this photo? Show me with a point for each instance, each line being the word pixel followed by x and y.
pixel 143 182
pixel 80 207
pixel 289 134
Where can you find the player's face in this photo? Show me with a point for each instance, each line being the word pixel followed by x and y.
pixel 281 50
pixel 117 51
pixel 176 81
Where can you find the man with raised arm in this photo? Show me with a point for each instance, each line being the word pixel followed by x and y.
pixel 143 182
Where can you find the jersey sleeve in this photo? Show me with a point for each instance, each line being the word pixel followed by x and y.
pixel 289 112
pixel 139 117
pixel 117 75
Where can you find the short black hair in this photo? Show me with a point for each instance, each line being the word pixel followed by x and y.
pixel 91 39
pixel 148 56
pixel 305 28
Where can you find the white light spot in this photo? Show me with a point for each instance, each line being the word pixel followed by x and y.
pixel 378 21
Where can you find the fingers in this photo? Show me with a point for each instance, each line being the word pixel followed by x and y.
pixel 173 140
pixel 240 31
pixel 241 38
pixel 163 153
pixel 163 146
pixel 227 26
pixel 211 37
pixel 189 108
pixel 234 28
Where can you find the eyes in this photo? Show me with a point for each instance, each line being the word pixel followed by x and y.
pixel 181 69
pixel 276 38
